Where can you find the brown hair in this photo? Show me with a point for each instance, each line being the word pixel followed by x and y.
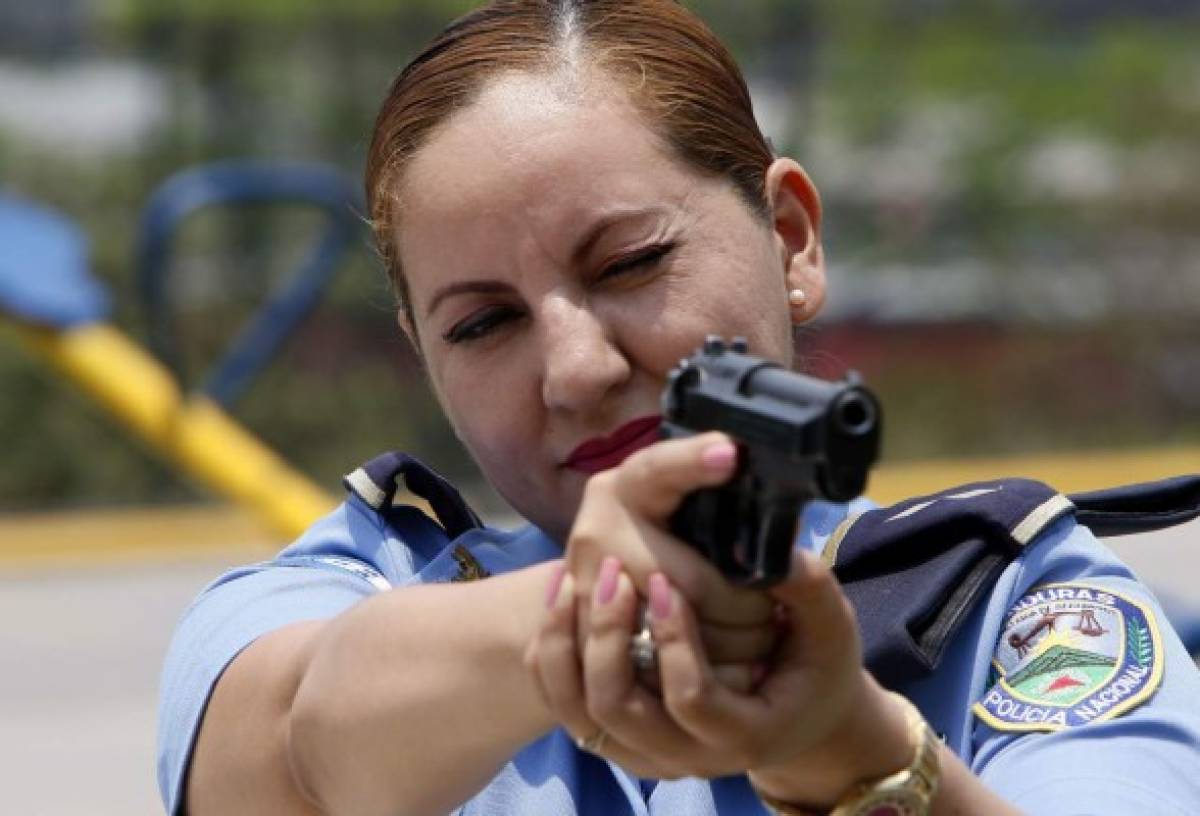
pixel 678 74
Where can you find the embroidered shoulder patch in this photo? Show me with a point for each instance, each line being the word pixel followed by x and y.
pixel 469 568
pixel 1071 654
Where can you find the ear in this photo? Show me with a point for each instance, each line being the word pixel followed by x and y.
pixel 796 217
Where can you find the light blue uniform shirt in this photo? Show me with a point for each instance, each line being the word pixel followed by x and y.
pixel 1145 761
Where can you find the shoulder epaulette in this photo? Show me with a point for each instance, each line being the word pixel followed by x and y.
pixel 915 571
pixel 1139 508
pixel 376 483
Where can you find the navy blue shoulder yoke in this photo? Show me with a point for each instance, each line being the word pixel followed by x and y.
pixel 376 483
pixel 916 570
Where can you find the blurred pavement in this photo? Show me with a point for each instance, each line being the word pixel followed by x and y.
pixel 83 646
pixel 82 650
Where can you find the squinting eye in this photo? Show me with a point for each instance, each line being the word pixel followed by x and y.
pixel 646 258
pixel 479 325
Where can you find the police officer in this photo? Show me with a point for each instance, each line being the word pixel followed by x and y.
pixel 569 196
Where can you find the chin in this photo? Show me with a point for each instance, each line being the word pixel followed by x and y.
pixel 555 523
pixel 554 526
pixel 546 513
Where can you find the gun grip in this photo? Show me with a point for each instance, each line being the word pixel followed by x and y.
pixel 749 540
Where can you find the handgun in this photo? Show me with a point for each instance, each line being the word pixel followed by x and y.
pixel 799 438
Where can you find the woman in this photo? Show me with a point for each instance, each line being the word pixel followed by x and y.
pixel 569 196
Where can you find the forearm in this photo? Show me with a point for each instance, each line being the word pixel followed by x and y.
pixel 414 699
pixel 962 793
pixel 872 743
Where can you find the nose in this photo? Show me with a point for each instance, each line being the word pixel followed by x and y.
pixel 582 363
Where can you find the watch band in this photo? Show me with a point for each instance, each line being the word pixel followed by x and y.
pixel 778 807
pixel 908 792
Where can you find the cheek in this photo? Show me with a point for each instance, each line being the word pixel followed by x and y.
pixel 494 419
pixel 507 452
pixel 773 335
pixel 737 278
pixel 488 417
pixel 730 299
pixel 759 307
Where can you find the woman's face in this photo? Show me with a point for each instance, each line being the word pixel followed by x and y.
pixel 560 262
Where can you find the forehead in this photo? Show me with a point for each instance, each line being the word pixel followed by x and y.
pixel 548 149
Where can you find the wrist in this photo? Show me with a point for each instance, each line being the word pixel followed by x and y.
pixel 872 741
pixel 551 585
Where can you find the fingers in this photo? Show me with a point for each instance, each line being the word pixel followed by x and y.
pixel 652 483
pixel 553 661
pixel 552 655
pixel 820 654
pixel 624 513
pixel 710 704
pixel 739 644
pixel 593 690
pixel 631 714
pixel 722 604
pixel 820 617
pixel 606 650
pixel 712 718
pixel 654 480
pixel 740 678
pixel 817 654
pixel 820 657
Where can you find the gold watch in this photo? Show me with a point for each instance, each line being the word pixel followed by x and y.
pixel 908 792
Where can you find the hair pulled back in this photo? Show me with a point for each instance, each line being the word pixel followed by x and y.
pixel 678 75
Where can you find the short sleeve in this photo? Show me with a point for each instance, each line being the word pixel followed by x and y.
pixel 223 621
pixel 349 555
pixel 1085 646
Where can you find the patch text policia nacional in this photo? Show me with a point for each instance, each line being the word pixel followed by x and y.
pixel 1071 654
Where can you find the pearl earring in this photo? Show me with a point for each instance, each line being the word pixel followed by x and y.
pixel 796 297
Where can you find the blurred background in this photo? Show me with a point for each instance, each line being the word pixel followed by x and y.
pixel 1011 206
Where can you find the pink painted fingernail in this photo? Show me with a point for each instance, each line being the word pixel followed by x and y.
pixel 719 456
pixel 552 588
pixel 660 596
pixel 606 583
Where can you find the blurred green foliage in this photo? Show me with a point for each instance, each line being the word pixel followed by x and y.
pixel 866 86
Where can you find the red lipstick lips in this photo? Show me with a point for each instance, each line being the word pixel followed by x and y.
pixel 596 455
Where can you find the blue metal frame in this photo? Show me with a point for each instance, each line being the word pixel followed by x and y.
pixel 233 183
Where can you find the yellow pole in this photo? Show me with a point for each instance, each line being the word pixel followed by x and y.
pixel 191 431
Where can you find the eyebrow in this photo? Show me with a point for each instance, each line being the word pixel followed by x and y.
pixel 478 287
pixel 605 222
pixel 590 239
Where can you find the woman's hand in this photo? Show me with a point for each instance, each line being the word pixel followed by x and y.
pixel 819 722
pixel 588 682
pixel 816 724
pixel 624 515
